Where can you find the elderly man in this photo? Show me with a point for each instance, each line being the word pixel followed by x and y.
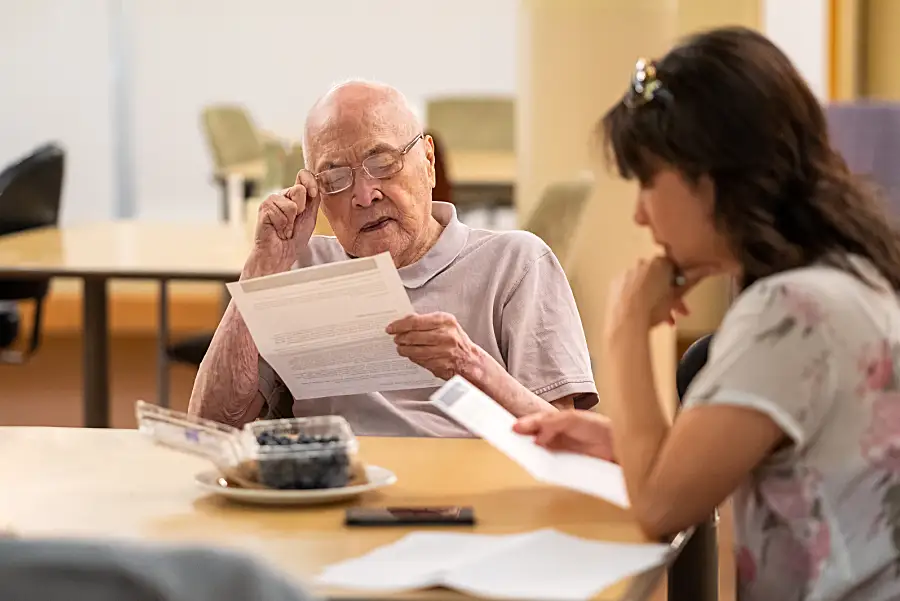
pixel 495 308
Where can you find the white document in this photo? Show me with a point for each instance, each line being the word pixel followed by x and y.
pixel 540 565
pixel 484 417
pixel 322 328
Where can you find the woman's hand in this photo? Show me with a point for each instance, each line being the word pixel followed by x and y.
pixel 583 432
pixel 647 294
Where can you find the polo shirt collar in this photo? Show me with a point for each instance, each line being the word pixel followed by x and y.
pixel 450 243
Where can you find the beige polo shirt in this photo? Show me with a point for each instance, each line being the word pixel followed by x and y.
pixel 511 296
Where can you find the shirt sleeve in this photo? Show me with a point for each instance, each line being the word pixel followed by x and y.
pixel 542 338
pixel 773 354
pixel 278 399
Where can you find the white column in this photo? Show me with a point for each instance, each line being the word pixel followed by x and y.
pixel 802 28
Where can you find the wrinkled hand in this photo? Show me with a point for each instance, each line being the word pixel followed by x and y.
pixel 582 432
pixel 284 225
pixel 645 294
pixel 438 343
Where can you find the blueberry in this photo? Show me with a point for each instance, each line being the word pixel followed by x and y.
pixel 327 468
pixel 276 473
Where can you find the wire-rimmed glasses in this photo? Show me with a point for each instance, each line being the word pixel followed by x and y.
pixel 380 165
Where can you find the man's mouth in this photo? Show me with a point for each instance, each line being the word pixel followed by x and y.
pixel 375 225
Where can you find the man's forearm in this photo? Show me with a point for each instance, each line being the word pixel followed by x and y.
pixel 492 379
pixel 227 382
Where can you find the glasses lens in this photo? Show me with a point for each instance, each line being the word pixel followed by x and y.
pixel 383 164
pixel 335 180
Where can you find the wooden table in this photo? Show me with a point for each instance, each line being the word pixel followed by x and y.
pixel 100 252
pixel 75 482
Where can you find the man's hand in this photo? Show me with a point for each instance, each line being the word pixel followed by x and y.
pixel 582 432
pixel 284 225
pixel 438 343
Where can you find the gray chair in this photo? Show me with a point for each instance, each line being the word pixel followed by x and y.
pixel 558 213
pixel 77 570
pixel 30 195
pixel 235 147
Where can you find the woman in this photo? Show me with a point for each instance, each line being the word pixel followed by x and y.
pixel 797 412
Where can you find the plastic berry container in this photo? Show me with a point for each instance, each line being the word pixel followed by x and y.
pixel 305 453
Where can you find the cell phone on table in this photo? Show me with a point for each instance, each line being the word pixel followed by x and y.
pixel 410 516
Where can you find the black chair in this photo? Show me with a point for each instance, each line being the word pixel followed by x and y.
pixel 30 194
pixel 700 554
pixel 190 350
pixel 693 360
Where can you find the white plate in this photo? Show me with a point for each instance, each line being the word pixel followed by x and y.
pixel 211 481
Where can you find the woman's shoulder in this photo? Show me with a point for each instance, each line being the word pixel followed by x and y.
pixel 814 306
pixel 822 287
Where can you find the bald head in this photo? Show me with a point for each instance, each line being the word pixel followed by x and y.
pixel 366 147
pixel 360 107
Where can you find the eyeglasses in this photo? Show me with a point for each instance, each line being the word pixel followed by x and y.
pixel 380 165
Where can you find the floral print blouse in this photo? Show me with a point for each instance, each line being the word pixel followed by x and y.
pixel 818 351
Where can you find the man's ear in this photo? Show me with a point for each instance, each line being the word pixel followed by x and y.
pixel 429 154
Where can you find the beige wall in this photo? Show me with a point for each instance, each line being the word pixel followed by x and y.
pixel 848 60
pixel 881 49
pixel 575 59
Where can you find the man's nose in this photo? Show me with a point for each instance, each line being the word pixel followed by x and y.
pixel 365 189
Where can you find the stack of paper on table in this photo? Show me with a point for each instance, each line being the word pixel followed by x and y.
pixel 322 328
pixel 539 565
pixel 484 417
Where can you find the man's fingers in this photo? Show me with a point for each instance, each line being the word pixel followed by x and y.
pixel 278 215
pixel 297 194
pixel 417 354
pixel 416 322
pixel 400 326
pixel 288 210
pixel 420 338
pixel 308 181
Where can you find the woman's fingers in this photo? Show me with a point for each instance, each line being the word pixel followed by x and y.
pixel 529 424
pixel 554 425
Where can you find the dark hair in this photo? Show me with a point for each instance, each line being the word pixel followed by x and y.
pixel 727 103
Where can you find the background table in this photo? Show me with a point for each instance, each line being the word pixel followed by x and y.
pixel 100 252
pixel 483 180
pixel 74 482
